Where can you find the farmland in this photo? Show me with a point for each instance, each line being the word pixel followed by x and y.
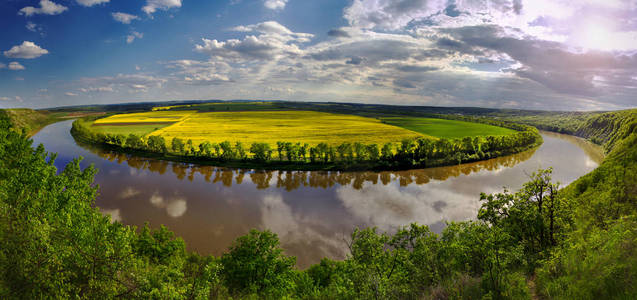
pixel 450 129
pixel 299 139
pixel 257 126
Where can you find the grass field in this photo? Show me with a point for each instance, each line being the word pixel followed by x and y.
pixel 450 129
pixel 141 130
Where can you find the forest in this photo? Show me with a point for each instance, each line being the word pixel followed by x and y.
pixel 574 242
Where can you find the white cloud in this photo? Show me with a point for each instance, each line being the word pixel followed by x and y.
pixel 274 41
pixel 275 4
pixel 2 66
pixel 153 5
pixel 124 18
pixel 122 82
pixel 26 50
pixel 96 89
pixel 89 3
pixel 32 26
pixel 70 94
pixel 5 99
pixel 15 66
pixel 46 8
pixel 131 37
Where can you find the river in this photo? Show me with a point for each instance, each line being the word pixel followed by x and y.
pixel 312 212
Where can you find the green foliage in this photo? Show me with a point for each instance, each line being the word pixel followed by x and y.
pixel 255 264
pixel 602 264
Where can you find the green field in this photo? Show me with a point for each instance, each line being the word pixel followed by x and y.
pixel 450 129
pixel 141 129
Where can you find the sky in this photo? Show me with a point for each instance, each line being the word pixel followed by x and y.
pixel 528 54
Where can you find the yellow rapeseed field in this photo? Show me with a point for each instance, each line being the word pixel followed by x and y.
pixel 272 126
pixel 145 117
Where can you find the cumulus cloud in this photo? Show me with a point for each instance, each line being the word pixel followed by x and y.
pixel 273 41
pixel 89 3
pixel 5 98
pixel 153 5
pixel 71 94
pixel 134 35
pixel 26 50
pixel 124 18
pixel 15 66
pixel 46 7
pixel 275 4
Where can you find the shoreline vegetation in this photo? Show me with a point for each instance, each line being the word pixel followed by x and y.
pixel 423 152
pixel 543 241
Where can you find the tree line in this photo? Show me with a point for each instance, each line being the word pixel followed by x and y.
pixel 412 153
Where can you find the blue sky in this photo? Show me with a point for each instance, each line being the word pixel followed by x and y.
pixel 539 54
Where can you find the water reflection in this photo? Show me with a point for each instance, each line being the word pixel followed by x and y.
pixel 291 180
pixel 312 212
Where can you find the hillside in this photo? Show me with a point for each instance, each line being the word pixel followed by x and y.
pixel 598 257
pixel 601 128
pixel 28 119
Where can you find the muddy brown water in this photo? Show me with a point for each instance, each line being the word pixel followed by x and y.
pixel 312 212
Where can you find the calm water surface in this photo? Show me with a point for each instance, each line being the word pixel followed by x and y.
pixel 312 212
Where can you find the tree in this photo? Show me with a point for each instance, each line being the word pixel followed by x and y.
pixel 177 145
pixel 227 151
pixel 134 142
pixel 240 151
pixel 528 216
pixel 205 149
pixel 157 144
pixel 260 151
pixel 303 151
pixel 361 151
pixel 190 148
pixel 279 149
pixel 255 263
pixel 373 151
pixel 387 152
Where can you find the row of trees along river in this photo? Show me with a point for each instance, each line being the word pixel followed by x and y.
pixel 415 153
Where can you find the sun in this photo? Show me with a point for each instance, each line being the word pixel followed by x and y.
pixel 595 35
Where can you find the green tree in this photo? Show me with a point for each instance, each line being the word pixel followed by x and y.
pixel 134 142
pixel 205 149
pixel 255 263
pixel 261 151
pixel 157 143
pixel 178 146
